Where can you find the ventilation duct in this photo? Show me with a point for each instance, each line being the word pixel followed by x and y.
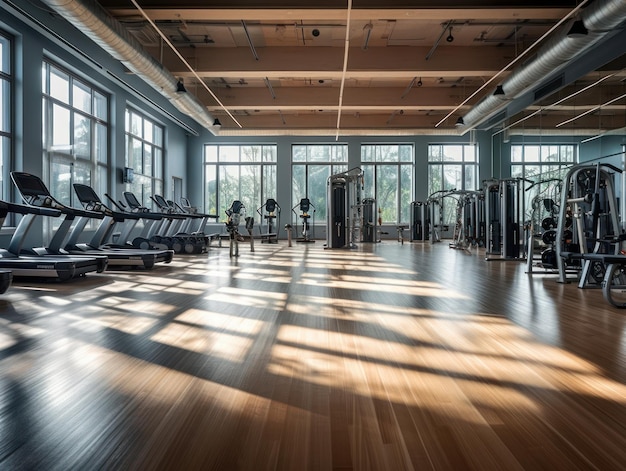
pixel 600 18
pixel 96 23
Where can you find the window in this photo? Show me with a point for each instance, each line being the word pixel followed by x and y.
pixel 541 162
pixel 144 154
pixel 75 134
pixel 452 167
pixel 388 176
pixel 238 172
pixel 311 167
pixel 5 116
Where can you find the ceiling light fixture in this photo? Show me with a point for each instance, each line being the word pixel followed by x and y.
pixel 217 123
pixel 499 91
pixel 450 38
pixel 180 86
pixel 419 82
pixel 460 122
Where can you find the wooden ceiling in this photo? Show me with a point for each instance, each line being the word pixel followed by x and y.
pixel 377 67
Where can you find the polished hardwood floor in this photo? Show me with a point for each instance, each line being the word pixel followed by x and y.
pixel 387 357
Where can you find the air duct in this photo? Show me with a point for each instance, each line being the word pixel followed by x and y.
pixel 600 18
pixel 96 23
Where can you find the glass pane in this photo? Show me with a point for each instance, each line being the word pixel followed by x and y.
pixel 319 154
pixel 269 182
pixel 387 192
pixel 147 160
pixel 60 129
pixel 60 181
pixel 101 181
pixel 298 183
pixel 406 192
pixel 210 153
pixel 269 153
pixel 158 163
pixel 59 85
pixel 229 186
pixel 568 153
pixel 406 153
pixel 82 174
pixel 516 153
pixel 158 136
pixel 531 153
pixel 298 154
pixel 147 130
pixel 210 189
pixel 5 55
pixel 453 153
pixel 367 153
pixel 435 179
pixel 101 143
pixel 435 153
pixel 250 187
pixel 389 154
pixel 517 171
pixel 532 172
pixel 127 121
pixel 229 154
pixel 469 152
pixel 136 124
pixel 470 178
pixel 5 106
pixel 549 153
pixel 100 106
pixel 81 96
pixel 339 153
pixel 82 136
pixel 453 177
pixel 335 169
pixel 136 160
pixel 250 153
pixel 318 176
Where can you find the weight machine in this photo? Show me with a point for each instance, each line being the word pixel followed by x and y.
pixel 304 207
pixel 345 209
pixel 420 221
pixel 588 198
pixel 272 215
pixel 435 212
pixel 467 228
pixel 504 212
pixel 370 226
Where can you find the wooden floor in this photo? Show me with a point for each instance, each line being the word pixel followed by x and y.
pixel 388 357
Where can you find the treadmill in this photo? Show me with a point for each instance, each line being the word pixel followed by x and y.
pixel 61 269
pixel 121 254
pixel 35 193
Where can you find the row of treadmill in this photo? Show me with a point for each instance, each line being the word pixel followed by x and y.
pixel 568 226
pixel 176 228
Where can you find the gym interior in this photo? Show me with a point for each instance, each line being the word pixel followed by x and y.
pixel 193 286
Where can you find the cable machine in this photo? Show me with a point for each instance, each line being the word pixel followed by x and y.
pixel 420 221
pixel 504 212
pixel 588 198
pixel 345 209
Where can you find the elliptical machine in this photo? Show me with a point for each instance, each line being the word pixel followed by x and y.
pixel 305 206
pixel 272 215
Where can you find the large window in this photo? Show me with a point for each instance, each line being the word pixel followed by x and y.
pixel 238 172
pixel 144 154
pixel 5 115
pixel 541 162
pixel 75 133
pixel 311 167
pixel 452 167
pixel 388 177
